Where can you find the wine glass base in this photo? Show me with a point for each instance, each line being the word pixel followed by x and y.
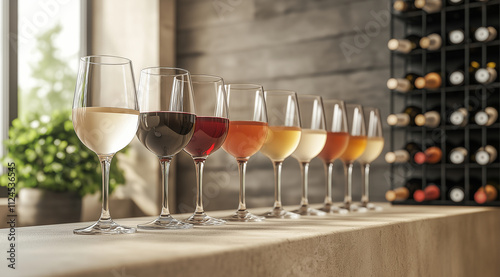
pixel 204 220
pixel 331 209
pixel 281 213
pixel 104 227
pixel 306 210
pixel 164 222
pixel 244 216
pixel 372 207
pixel 354 208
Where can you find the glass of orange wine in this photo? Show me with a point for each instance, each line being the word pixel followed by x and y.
pixel 374 146
pixel 246 135
pixel 337 138
pixel 355 148
pixel 283 137
pixel 312 141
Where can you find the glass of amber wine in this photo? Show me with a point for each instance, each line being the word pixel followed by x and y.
pixel 355 148
pixel 246 135
pixel 283 137
pixel 374 146
pixel 337 138
pixel 312 141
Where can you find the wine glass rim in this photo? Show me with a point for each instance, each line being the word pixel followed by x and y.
pixel 280 91
pixel 244 86
pixel 124 61
pixel 309 96
pixel 214 77
pixel 160 69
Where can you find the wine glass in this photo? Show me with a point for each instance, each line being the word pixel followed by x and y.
pixel 355 148
pixel 336 143
pixel 312 141
pixel 105 117
pixel 166 125
pixel 374 146
pixel 283 137
pixel 210 132
pixel 247 133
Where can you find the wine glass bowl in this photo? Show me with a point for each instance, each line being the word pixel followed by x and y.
pixel 283 136
pixel 312 141
pixel 166 125
pixel 212 125
pixel 247 132
pixel 105 118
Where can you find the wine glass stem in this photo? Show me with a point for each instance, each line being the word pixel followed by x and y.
pixel 165 166
pixel 277 184
pixel 200 164
pixel 365 176
pixel 348 184
pixel 105 166
pixel 329 175
pixel 304 167
pixel 242 168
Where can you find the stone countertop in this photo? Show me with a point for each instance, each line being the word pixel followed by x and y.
pixel 398 241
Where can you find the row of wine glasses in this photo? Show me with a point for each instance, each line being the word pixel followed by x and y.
pixel 240 118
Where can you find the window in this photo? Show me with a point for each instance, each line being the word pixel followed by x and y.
pixel 49 49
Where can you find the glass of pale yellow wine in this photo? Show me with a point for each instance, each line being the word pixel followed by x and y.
pixel 355 148
pixel 312 141
pixel 374 146
pixel 283 137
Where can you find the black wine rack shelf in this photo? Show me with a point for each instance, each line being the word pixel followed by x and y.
pixel 469 15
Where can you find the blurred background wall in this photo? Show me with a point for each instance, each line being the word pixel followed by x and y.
pixel 336 49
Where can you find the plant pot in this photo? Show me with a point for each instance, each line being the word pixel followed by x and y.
pixel 41 207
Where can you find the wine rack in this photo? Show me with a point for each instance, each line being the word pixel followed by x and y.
pixel 468 15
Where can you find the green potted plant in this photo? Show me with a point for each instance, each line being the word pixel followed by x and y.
pixel 54 169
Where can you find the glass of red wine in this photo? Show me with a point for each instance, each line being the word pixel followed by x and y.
pixel 105 117
pixel 210 132
pixel 166 125
pixel 247 133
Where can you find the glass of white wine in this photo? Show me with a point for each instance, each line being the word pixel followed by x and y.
pixel 374 146
pixel 283 136
pixel 312 141
pixel 105 118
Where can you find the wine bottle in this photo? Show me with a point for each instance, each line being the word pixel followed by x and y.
pixel 405 118
pixel 403 155
pixel 405 192
pixel 430 6
pixel 486 117
pixel 455 2
pixel 403 84
pixel 429 81
pixel 457 155
pixel 456 36
pixel 429 193
pixel 486 75
pixel 485 34
pixel 456 78
pixel 484 155
pixel 405 45
pixel 431 118
pixel 459 117
pixel 487 193
pixel 455 191
pixel 431 155
pixel 431 42
pixel 404 5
